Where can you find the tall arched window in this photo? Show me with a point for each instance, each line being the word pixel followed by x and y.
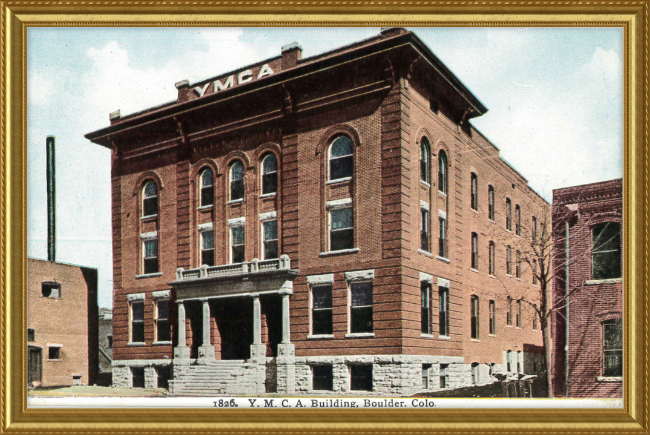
pixel 517 220
pixel 207 187
pixel 424 160
pixel 340 158
pixel 474 251
pixel 442 171
pixel 491 203
pixel 269 174
pixel 474 191
pixel 236 181
pixel 150 199
pixel 508 215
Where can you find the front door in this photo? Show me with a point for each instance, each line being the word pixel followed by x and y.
pixel 34 365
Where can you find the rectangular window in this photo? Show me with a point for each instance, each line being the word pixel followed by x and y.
pixel 535 318
pixel 163 332
pixel 493 319
pixel 137 322
pixel 519 319
pixel 237 241
pixel 518 264
pixel 150 253
pixel 137 374
pixel 491 203
pixel 31 336
pixel 508 214
pixel 54 352
pixel 509 260
pixel 606 254
pixel 50 289
pixel 442 240
pixel 361 377
pixel 491 259
pixel 534 272
pixel 474 191
pixel 443 313
pixel 323 378
pixel 270 239
pixel 517 220
pixel 474 251
pixel 424 230
pixel 534 231
pixel 109 342
pixel 425 311
pixel 361 307
pixel 613 348
pixel 443 375
pixel 475 317
pixel 426 368
pixel 164 374
pixel 341 229
pixel 207 248
pixel 321 314
pixel 509 312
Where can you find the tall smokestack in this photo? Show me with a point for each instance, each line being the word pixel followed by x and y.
pixel 51 200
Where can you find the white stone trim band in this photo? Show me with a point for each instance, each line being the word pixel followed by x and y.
pixel 236 222
pixel 442 214
pixel 162 294
pixel 360 275
pixel 327 278
pixel 140 362
pixel 426 277
pixel 424 205
pixel 339 203
pixel 443 282
pixel 150 235
pixel 135 297
pixel 206 227
pixel 268 216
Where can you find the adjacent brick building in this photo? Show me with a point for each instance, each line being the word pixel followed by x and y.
pixel 592 213
pixel 61 324
pixel 312 224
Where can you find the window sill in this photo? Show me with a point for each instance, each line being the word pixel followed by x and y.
pixel 441 193
pixel 320 337
pixel 339 180
pixel 236 201
pixel 446 260
pixel 268 195
pixel 444 337
pixel 508 275
pixel 162 343
pixel 475 211
pixel 475 340
pixel 491 221
pixel 136 344
pixel 360 335
pixel 339 252
pixel 150 217
pixel 206 207
pixel 424 183
pixel 492 335
pixel 603 281
pixel 426 335
pixel 148 275
pixel 423 252
pixel 492 276
pixel 609 379
pixel 518 279
pixel 54 360
pixel 473 270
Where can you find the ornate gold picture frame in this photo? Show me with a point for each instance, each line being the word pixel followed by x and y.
pixel 633 17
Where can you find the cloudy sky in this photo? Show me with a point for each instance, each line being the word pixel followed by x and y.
pixel 555 100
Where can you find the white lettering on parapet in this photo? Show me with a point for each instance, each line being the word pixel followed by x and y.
pixel 229 82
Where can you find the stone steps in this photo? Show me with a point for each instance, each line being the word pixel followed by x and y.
pixel 212 379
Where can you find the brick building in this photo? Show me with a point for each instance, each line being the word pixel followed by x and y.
pixel 331 223
pixel 61 324
pixel 592 214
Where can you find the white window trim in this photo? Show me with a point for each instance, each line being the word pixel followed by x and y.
pixel 135 297
pixel 327 278
pixel 149 235
pixel 311 309
pixel 443 283
pixel 424 205
pixel 155 320
pixel 360 275
pixel 263 239
pixel 162 294
pixel 356 278
pixel 206 227
pixel 237 222
pixel 426 278
pixel 339 203
pixel 442 214
pixel 268 216
pixel 329 159
pixel 131 342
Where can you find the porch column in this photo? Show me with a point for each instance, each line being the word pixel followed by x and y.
pixel 258 350
pixel 181 351
pixel 286 360
pixel 286 321
pixel 257 320
pixel 206 350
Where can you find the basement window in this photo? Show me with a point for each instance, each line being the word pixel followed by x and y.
pixel 51 289
pixel 138 377
pixel 361 377
pixel 322 377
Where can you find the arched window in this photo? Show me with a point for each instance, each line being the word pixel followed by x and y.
pixel 207 187
pixel 150 199
pixel 269 174
pixel 236 181
pixel 474 191
pixel 442 171
pixel 424 160
pixel 491 259
pixel 606 250
pixel 475 317
pixel 508 215
pixel 517 220
pixel 474 251
pixel 340 158
pixel 491 203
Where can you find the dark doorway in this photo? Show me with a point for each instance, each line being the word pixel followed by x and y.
pixel 272 312
pixel 234 317
pixel 194 313
pixel 34 365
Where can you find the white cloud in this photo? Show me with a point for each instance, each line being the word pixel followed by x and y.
pixel 41 87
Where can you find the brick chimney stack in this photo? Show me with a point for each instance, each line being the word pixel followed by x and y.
pixel 291 54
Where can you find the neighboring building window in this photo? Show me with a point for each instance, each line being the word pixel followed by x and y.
pixel 509 260
pixel 150 256
pixel 237 242
pixel 424 160
pixel 474 191
pixel 270 229
pixel 474 373
pixel 269 174
pixel 443 311
pixel 361 307
pixel 150 199
pixel 493 318
pixel 425 307
pixel 606 254
pixel 519 319
pixel 491 210
pixel 163 332
pixel 535 326
pixel 442 238
pixel 137 322
pixel 508 215
pixel 424 230
pixel 323 378
pixel 613 348
pixel 426 368
pixel 491 259
pixel 519 359
pixel 509 312
pixel 442 171
pixel 509 360
pixel 236 181
pixel 518 264
pixel 321 314
pixel 109 342
pixel 51 289
pixel 475 251
pixel 517 220
pixel 534 232
pixel 31 336
pixel 443 375
pixel 137 374
pixel 207 248
pixel 341 229
pixel 475 317
pixel 54 352
pixel 340 158
pixel 207 187
pixel 361 377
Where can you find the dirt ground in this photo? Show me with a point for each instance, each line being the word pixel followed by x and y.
pixel 89 391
